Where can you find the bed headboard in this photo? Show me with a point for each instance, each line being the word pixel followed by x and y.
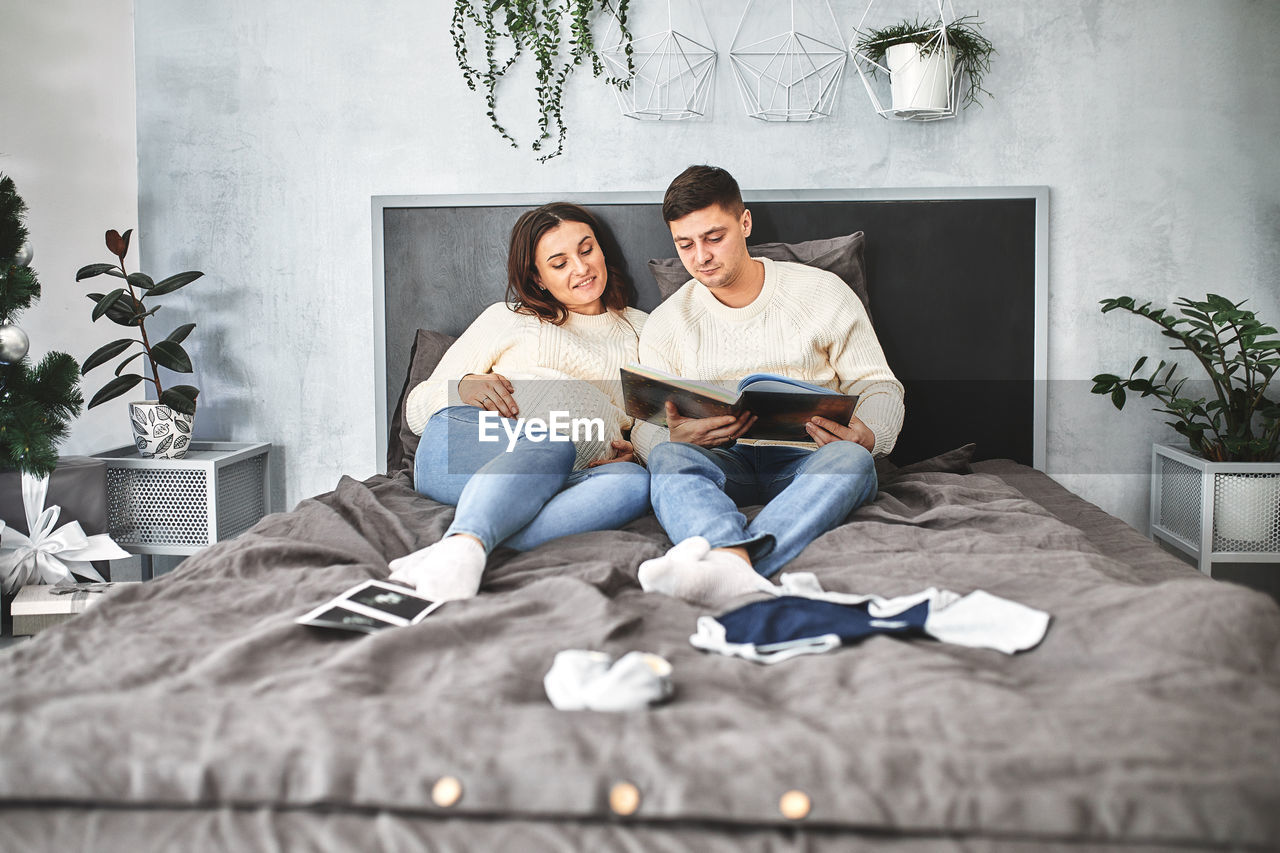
pixel 958 283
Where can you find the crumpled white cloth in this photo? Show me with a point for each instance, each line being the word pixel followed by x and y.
pixel 49 555
pixel 581 680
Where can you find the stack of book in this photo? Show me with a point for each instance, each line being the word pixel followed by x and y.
pixel 42 606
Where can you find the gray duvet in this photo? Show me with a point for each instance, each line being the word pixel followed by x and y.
pixel 190 712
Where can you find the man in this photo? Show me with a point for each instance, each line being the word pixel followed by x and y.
pixel 737 316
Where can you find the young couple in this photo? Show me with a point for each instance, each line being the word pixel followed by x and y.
pixel 558 347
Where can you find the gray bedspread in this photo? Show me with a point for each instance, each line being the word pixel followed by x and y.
pixel 1149 715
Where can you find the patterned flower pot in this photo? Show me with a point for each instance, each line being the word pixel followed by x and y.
pixel 160 432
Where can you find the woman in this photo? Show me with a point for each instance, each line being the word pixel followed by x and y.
pixel 552 353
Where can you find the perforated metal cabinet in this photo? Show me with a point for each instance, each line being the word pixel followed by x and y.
pixel 1217 512
pixel 179 506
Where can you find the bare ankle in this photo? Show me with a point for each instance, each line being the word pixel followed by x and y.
pixel 738 552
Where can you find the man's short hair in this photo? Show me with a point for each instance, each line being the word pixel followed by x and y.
pixel 698 187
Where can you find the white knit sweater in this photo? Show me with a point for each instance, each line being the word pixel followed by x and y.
pixel 806 324
pixel 568 368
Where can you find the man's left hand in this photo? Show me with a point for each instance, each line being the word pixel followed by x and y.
pixel 825 431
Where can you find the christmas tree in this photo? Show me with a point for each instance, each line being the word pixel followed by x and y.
pixel 36 402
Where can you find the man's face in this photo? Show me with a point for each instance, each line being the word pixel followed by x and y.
pixel 712 243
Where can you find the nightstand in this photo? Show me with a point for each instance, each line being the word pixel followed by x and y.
pixel 180 506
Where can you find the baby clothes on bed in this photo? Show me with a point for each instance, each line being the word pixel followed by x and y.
pixel 803 618
pixel 582 680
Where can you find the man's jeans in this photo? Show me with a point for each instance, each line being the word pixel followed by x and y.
pixel 697 491
pixel 525 497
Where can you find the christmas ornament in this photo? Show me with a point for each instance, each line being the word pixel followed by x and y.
pixel 14 344
pixel 47 555
pixel 25 254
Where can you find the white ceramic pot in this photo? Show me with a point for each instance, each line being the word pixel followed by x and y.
pixel 920 82
pixel 1247 508
pixel 158 431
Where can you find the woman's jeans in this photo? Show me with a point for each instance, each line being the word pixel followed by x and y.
pixel 525 496
pixel 697 492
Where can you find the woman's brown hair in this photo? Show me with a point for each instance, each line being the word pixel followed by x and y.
pixel 523 290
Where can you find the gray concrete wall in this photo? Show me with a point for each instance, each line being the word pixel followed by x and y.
pixel 70 144
pixel 264 127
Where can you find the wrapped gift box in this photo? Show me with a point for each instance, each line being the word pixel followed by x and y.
pixel 78 485
pixel 42 606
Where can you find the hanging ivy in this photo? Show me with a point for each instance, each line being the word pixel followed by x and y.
pixel 537 27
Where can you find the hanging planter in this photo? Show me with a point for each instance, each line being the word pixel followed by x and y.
pixel 935 66
pixel 509 28
pixel 788 60
pixel 669 72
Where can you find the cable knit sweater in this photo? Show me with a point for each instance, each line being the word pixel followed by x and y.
pixel 568 368
pixel 806 324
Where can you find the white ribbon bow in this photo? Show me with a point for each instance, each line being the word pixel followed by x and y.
pixel 46 555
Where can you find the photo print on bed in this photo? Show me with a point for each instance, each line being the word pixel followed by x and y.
pixel 371 606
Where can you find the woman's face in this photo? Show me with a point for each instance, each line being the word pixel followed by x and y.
pixel 570 265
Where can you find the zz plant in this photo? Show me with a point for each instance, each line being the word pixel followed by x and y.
pixel 533 26
pixel 1239 422
pixel 126 306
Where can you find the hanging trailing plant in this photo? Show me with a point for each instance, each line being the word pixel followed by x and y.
pixel 538 27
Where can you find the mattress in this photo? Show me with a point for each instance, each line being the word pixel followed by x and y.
pixel 190 712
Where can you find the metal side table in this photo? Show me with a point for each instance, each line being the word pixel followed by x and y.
pixel 180 506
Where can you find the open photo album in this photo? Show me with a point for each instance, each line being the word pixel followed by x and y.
pixel 782 405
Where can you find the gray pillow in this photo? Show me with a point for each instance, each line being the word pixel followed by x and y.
pixel 402 443
pixel 843 256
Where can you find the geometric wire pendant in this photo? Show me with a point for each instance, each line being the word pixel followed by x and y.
pixel 792 75
pixel 922 84
pixel 673 69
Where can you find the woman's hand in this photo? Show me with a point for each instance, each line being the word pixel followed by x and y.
pixel 623 451
pixel 491 391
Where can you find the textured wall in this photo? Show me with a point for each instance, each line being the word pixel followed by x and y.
pixel 264 127
pixel 69 143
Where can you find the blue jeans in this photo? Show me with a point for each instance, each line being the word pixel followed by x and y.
pixel 525 497
pixel 697 492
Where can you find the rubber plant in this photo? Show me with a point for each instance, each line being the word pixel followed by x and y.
pixel 510 28
pixel 126 306
pixel 1239 422
pixel 973 50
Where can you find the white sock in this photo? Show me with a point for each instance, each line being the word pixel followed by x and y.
pixel 580 679
pixel 446 571
pixel 693 572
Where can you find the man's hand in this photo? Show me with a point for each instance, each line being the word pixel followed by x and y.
pixel 490 391
pixel 825 431
pixel 707 432
pixel 623 451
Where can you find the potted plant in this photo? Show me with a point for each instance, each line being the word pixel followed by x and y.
pixel 924 58
pixel 162 426
pixel 1233 432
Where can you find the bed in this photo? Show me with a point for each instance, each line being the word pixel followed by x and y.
pixel 191 713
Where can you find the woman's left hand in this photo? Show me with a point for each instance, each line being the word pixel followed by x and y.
pixel 623 452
